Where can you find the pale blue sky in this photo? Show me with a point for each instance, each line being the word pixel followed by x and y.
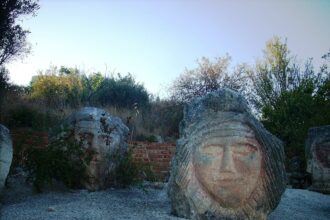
pixel 156 40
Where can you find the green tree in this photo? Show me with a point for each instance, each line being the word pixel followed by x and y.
pixel 122 92
pixel 271 76
pixel 12 35
pixel 58 88
pixel 91 84
pixel 4 87
pixel 289 98
pixel 278 73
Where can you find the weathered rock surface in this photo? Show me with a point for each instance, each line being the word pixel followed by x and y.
pixel 317 151
pixel 226 166
pixel 6 154
pixel 106 136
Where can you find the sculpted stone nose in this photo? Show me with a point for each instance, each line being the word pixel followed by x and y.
pixel 227 163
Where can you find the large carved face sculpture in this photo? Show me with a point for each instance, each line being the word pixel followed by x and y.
pixel 227 163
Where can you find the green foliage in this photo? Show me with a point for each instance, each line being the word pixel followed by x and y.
pixel 64 161
pixel 274 75
pixel 4 78
pixel 163 118
pixel 58 88
pixel 127 171
pixel 4 86
pixel 291 118
pixel 278 73
pixel 121 91
pixel 66 87
pixel 12 35
pixel 322 103
pixel 96 80
pixel 291 100
pixel 24 140
pixel 146 138
pixel 130 172
pixel 90 85
pixel 28 117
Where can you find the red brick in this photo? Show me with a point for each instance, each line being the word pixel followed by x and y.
pixel 165 152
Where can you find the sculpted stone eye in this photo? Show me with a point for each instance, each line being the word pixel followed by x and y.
pixel 212 149
pixel 244 149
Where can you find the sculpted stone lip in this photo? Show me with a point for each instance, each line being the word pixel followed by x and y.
pixel 227 177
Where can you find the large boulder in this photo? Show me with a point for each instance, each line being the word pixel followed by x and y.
pixel 104 135
pixel 226 165
pixel 6 154
pixel 317 151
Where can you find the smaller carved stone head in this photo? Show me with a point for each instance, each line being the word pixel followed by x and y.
pixel 103 134
pixel 317 151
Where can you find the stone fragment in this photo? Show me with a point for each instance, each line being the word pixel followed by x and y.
pixel 105 135
pixel 317 151
pixel 51 209
pixel 6 155
pixel 226 165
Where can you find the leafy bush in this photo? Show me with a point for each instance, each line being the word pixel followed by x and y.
pixel 25 116
pixel 64 161
pixel 4 87
pixel 122 92
pixel 296 111
pixel 165 117
pixel 130 172
pixel 290 98
pixel 67 87
pixel 147 138
pixel 58 88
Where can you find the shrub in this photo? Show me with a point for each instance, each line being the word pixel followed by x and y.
pixel 25 116
pixel 64 161
pixel 130 172
pixel 122 92
pixel 58 89
pixel 4 86
pixel 163 118
pixel 147 138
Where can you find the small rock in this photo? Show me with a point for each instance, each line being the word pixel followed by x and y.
pixel 50 209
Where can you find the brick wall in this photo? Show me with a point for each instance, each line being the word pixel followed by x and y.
pixel 25 138
pixel 157 155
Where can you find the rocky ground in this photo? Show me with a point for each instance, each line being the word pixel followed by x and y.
pixel 146 202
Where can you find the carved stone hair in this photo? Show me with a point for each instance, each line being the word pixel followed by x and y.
pixel 223 106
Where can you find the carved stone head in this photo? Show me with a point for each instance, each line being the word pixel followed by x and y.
pixel 103 134
pixel 6 154
pixel 226 164
pixel 318 158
